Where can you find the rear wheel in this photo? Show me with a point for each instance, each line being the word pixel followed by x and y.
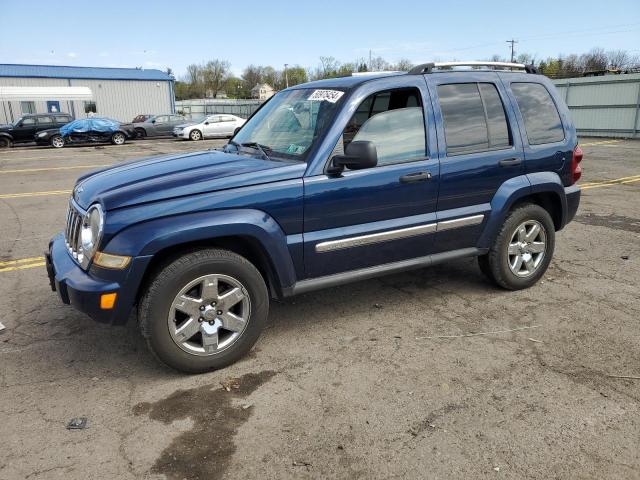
pixel 5 142
pixel 118 138
pixel 204 310
pixel 195 135
pixel 522 250
pixel 57 141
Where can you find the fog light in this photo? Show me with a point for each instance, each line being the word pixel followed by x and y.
pixel 108 260
pixel 108 300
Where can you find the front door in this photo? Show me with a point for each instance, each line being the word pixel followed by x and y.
pixel 211 126
pixel 382 214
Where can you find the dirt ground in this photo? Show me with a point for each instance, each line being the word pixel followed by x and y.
pixel 412 375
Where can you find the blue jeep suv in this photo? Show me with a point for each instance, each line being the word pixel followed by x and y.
pixel 328 182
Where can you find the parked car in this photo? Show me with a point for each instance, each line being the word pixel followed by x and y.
pixel 158 125
pixel 23 129
pixel 222 125
pixel 140 118
pixel 86 130
pixel 329 182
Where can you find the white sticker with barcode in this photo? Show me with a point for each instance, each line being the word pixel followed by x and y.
pixel 326 95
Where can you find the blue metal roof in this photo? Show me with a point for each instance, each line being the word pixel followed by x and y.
pixel 88 73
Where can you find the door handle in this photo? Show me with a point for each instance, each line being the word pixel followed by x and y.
pixel 510 162
pixel 415 177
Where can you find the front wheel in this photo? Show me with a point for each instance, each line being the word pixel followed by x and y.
pixel 195 135
pixel 5 142
pixel 141 133
pixel 522 250
pixel 57 141
pixel 204 310
pixel 118 138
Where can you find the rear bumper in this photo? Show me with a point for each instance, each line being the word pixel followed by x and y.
pixel 573 202
pixel 83 289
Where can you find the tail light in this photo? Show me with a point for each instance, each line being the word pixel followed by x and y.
pixel 576 169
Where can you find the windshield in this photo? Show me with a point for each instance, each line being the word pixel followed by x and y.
pixel 291 122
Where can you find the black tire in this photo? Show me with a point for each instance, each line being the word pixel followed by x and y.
pixel 495 264
pixel 141 133
pixel 155 306
pixel 195 135
pixel 118 138
pixel 57 141
pixel 5 142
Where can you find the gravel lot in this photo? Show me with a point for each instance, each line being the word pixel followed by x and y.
pixel 380 379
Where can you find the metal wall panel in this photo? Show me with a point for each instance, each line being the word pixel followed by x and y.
pixel 606 106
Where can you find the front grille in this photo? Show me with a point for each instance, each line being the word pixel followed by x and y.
pixel 72 230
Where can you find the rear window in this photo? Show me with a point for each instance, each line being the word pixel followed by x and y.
pixel 541 117
pixel 474 118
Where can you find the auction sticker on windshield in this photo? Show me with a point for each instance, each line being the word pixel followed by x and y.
pixel 329 95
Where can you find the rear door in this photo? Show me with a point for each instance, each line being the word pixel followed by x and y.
pixel 44 123
pixel 26 130
pixel 479 148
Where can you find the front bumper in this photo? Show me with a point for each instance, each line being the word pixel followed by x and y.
pixel 83 289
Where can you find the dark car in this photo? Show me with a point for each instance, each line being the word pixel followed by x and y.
pixel 86 130
pixel 24 129
pixel 329 182
pixel 158 125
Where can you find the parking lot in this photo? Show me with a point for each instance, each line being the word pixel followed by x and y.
pixel 433 373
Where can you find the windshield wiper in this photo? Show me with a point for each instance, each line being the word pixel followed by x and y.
pixel 257 146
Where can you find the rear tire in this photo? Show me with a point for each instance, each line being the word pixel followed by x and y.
pixel 118 138
pixel 188 322
pixel 5 142
pixel 522 249
pixel 195 135
pixel 57 141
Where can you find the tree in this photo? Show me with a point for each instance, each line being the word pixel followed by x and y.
pixel 252 76
pixel 403 65
pixel 214 74
pixel 296 75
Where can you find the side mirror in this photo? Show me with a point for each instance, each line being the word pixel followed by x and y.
pixel 206 123
pixel 153 121
pixel 358 155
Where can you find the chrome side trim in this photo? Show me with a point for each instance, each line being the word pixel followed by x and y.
pixel 375 238
pixel 358 241
pixel 460 222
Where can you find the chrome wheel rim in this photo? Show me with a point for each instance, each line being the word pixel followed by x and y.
pixel 527 248
pixel 195 135
pixel 209 314
pixel 57 142
pixel 118 139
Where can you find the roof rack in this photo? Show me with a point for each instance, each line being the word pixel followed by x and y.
pixel 430 67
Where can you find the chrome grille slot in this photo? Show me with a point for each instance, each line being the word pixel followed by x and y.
pixel 72 230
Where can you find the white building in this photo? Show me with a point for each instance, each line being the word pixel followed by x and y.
pixel 262 91
pixel 118 93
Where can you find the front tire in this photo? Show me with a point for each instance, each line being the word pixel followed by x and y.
pixel 204 310
pixel 141 133
pixel 118 138
pixel 522 250
pixel 195 135
pixel 57 141
pixel 5 142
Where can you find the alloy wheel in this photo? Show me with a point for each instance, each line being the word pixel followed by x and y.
pixel 57 142
pixel 527 248
pixel 209 314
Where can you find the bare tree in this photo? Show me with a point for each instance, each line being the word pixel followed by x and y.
pixel 403 65
pixel 214 73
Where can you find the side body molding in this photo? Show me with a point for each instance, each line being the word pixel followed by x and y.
pixel 148 238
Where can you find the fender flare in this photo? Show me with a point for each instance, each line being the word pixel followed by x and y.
pixel 146 239
pixel 6 135
pixel 515 189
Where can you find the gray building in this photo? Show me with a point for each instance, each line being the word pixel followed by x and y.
pixel 118 93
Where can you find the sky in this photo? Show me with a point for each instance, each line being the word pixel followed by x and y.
pixel 161 34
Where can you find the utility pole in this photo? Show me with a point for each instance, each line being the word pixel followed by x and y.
pixel 369 66
pixel 286 75
pixel 512 42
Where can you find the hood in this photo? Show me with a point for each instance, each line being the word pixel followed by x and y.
pixel 171 176
pixel 188 124
pixel 5 126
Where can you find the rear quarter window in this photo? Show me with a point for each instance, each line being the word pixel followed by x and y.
pixel 541 118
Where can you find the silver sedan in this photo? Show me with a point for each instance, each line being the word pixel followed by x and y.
pixel 158 125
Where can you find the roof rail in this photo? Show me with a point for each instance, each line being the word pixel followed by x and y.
pixel 430 67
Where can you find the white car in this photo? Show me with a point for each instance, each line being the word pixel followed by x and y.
pixel 219 125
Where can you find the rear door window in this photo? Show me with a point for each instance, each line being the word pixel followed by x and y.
pixel 541 118
pixel 44 121
pixel 474 118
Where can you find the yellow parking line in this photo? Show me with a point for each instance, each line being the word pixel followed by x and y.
pixel 631 177
pixel 22 267
pixel 32 170
pixel 35 194
pixel 603 142
pixel 610 183
pixel 22 260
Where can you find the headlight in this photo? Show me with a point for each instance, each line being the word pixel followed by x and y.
pixel 90 234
